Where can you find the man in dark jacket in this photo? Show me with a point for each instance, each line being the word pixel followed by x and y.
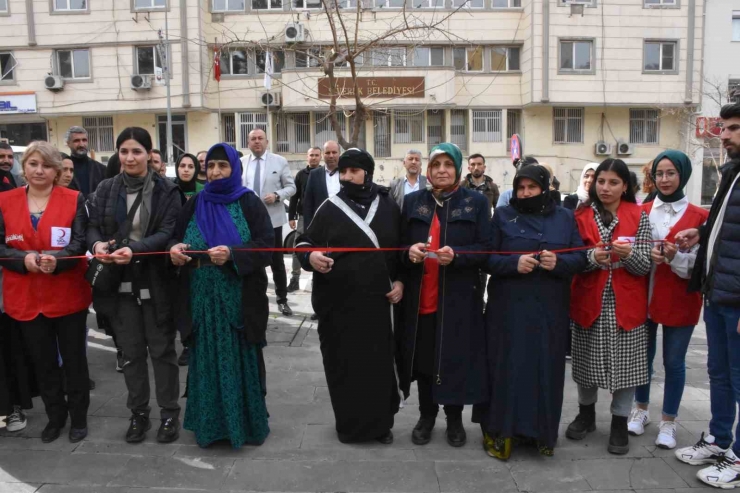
pixel 295 210
pixel 478 180
pixel 717 274
pixel 88 172
pixel 323 182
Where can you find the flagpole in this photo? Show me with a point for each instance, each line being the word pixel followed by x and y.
pixel 217 53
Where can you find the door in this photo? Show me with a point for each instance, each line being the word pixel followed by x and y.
pixel 179 136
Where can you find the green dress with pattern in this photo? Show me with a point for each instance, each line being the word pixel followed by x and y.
pixel 225 392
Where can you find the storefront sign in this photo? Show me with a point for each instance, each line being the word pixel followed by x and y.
pixel 17 102
pixel 374 87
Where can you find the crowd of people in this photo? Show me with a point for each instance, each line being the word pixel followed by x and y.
pixel 399 276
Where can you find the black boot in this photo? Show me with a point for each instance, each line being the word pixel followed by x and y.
pixel 169 430
pixel 456 436
pixel 584 423
pixel 140 424
pixel 422 433
pixel 619 439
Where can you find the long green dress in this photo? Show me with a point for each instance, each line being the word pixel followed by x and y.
pixel 225 392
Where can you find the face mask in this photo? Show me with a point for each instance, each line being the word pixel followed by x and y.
pixel 530 205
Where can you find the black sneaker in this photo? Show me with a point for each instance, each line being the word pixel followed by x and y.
pixel 422 433
pixel 184 358
pixel 51 433
pixel 294 285
pixel 140 424
pixel 169 430
pixel 77 434
pixel 456 435
pixel 285 309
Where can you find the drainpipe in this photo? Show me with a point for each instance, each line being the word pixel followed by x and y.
pixel 184 53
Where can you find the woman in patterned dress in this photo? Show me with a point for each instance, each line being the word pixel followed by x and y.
pixel 225 290
pixel 608 308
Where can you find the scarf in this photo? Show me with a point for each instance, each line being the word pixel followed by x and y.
pixel 683 166
pixel 582 192
pixel 362 194
pixel 187 187
pixel 538 204
pixel 211 216
pixel 442 194
pixel 144 184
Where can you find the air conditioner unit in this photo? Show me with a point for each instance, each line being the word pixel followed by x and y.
pixel 271 99
pixel 625 148
pixel 54 82
pixel 294 32
pixel 602 148
pixel 217 17
pixel 141 82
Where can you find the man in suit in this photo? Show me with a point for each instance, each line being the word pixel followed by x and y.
pixel 269 176
pixel 413 181
pixel 323 182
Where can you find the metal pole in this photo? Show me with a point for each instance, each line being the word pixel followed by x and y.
pixel 170 155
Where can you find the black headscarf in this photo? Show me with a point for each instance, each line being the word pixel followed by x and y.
pixel 539 204
pixel 187 187
pixel 362 194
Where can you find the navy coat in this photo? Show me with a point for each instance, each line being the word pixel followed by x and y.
pixel 460 361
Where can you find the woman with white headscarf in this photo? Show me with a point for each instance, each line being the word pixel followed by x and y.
pixel 573 200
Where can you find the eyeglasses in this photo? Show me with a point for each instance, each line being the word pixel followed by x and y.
pixel 670 175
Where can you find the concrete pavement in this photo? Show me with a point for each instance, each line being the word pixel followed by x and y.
pixel 302 453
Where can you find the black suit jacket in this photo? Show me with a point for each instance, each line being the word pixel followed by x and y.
pixel 315 195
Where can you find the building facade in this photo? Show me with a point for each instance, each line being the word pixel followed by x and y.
pixel 578 80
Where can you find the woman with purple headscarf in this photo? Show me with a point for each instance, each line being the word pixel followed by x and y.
pixel 225 295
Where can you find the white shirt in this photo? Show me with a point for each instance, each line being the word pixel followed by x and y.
pixel 332 182
pixel 248 180
pixel 408 187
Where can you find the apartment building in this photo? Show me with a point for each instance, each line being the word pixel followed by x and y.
pixel 578 80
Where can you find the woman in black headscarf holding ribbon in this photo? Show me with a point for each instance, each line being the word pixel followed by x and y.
pixel 353 296
pixel 225 293
pixel 527 315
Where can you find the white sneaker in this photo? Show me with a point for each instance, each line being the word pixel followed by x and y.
pixel 666 435
pixel 725 473
pixel 703 452
pixel 639 419
pixel 16 421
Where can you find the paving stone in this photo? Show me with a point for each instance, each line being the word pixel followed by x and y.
pixel 174 472
pixel 474 477
pixel 19 487
pixel 546 474
pixel 59 467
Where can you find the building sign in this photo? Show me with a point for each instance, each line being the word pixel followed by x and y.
pixel 374 87
pixel 708 126
pixel 17 102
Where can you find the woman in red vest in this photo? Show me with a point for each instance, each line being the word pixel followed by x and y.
pixel 670 303
pixel 47 295
pixel 608 307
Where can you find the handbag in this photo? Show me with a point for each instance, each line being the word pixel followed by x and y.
pixel 106 278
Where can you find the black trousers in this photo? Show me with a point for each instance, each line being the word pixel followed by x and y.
pixel 139 335
pixel 427 406
pixel 279 277
pixel 43 336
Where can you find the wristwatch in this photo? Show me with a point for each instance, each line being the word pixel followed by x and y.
pixel 277 197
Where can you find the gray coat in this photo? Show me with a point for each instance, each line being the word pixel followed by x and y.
pixel 397 185
pixel 276 178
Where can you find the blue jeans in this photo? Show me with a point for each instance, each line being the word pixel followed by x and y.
pixel 723 365
pixel 675 344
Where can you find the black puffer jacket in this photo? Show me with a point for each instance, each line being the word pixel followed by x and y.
pixel 107 210
pixel 722 284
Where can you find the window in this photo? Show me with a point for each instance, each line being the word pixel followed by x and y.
pixel 278 61
pixel 325 130
pixel 267 4
pixel 459 128
pixel 504 59
pixel 73 64
pixel 587 3
pixel 147 59
pixel 733 90
pixel 70 5
pixel 99 133
pixel 179 136
pixel 505 4
pixel 149 4
pixel 409 126
pixel 487 126
pixel 249 122
pixel 228 5
pixel 661 3
pixel 429 4
pixel 435 127
pixel 575 56
pixel 293 132
pixel 513 126
pixel 308 58
pixel 389 4
pixel 235 62
pixel 382 137
pixel 660 56
pixel 568 124
pixel 429 57
pixel 7 68
pixel 388 57
pixel 228 128
pixel 713 159
pixel 468 59
pixel 644 126
pixel 470 4
pixel 307 4
pixel 3 6
pixel 736 25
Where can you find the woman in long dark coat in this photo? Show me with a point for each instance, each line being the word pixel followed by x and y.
pixel 527 316
pixel 442 344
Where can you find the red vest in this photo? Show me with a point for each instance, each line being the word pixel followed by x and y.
pixel 630 291
pixel 28 295
pixel 672 304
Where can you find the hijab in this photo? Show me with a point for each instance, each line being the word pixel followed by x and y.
pixel 144 184
pixel 538 204
pixel 365 193
pixel 456 155
pixel 187 187
pixel 211 215
pixel 683 165
pixel 582 192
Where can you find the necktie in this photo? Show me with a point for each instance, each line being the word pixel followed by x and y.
pixel 257 178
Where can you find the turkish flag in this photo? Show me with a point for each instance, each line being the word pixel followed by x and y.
pixel 217 64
